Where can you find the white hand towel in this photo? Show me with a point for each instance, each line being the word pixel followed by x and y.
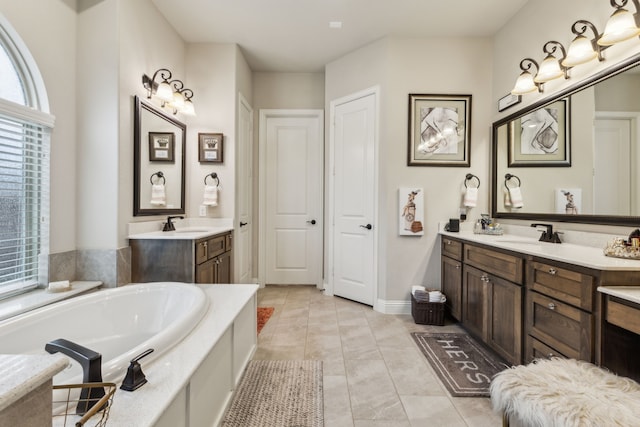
pixel 158 196
pixel 507 198
pixel 516 197
pixel 471 197
pixel 210 195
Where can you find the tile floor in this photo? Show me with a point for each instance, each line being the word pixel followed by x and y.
pixel 374 374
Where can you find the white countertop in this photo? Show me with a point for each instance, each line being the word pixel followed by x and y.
pixel 22 374
pixel 629 293
pixel 586 256
pixel 182 233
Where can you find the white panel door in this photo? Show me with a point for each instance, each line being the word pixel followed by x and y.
pixel 293 197
pixel 243 236
pixel 612 167
pixel 353 240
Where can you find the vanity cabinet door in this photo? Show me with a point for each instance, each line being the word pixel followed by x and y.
pixel 205 272
pixel 222 268
pixel 475 301
pixel 451 272
pixel 504 333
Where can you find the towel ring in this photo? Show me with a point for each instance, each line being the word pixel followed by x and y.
pixel 159 174
pixel 508 177
pixel 469 177
pixel 214 176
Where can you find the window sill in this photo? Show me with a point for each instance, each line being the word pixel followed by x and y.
pixel 41 297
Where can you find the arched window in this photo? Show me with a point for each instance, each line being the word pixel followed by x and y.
pixel 25 127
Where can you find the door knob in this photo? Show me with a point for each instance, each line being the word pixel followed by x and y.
pixel 312 222
pixel 242 224
pixel 368 226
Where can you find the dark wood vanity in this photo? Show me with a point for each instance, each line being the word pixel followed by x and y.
pixel 203 260
pixel 525 306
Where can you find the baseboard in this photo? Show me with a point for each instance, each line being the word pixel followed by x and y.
pixel 393 307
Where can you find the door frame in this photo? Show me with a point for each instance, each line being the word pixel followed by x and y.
pixel 262 209
pixel 329 286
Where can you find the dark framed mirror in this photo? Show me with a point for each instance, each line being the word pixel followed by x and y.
pixel 590 175
pixel 159 142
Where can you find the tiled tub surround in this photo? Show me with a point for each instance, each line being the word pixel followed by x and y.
pixel 192 383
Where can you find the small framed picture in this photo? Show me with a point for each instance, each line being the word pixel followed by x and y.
pixel 210 147
pixel 161 146
pixel 439 130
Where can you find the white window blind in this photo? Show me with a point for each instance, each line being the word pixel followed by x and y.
pixel 24 197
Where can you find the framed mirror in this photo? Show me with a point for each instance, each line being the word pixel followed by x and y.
pixel 159 162
pixel 573 157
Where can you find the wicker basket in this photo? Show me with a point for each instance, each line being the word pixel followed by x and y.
pixel 427 313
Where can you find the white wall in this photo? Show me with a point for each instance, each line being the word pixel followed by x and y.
pixel 49 31
pixel 424 66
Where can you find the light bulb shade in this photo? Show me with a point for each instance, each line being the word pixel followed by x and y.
pixel 524 84
pixel 178 101
pixel 164 92
pixel 621 26
pixel 580 51
pixel 188 108
pixel 549 70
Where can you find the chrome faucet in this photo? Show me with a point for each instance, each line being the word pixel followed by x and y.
pixel 548 235
pixel 91 363
pixel 169 226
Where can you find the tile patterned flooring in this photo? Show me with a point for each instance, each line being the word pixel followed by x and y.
pixel 374 374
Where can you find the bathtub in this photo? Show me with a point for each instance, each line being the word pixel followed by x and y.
pixel 118 323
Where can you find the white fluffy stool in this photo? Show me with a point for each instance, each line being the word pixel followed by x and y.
pixel 565 393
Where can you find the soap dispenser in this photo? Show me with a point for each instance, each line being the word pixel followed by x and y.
pixel 135 378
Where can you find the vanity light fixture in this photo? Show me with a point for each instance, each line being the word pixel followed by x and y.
pixel 581 49
pixel 525 83
pixel 622 24
pixel 171 93
pixel 550 67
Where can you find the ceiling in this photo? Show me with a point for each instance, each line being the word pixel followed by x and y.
pixel 294 35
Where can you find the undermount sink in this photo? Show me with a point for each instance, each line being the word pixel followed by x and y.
pixel 192 230
pixel 519 241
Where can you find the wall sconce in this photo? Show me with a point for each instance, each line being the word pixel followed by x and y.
pixel 622 24
pixel 550 67
pixel 172 93
pixel 525 82
pixel 581 49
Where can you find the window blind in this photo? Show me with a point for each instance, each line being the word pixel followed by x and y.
pixel 24 197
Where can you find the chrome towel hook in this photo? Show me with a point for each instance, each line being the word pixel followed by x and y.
pixel 509 177
pixel 158 174
pixel 469 177
pixel 213 175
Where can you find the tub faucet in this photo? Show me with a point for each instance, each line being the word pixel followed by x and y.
pixel 549 235
pixel 91 363
pixel 169 226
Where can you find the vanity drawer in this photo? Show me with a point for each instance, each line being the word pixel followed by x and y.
pixel 623 316
pixel 560 326
pixel 538 350
pixel 566 285
pixel 497 263
pixel 210 248
pixel 452 248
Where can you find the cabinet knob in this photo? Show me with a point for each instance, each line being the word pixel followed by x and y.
pixel 448 242
pixel 552 271
pixel 484 278
pixel 551 306
pixel 550 355
pixel 457 266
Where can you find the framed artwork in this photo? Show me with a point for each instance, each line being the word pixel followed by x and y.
pixel 210 147
pixel 161 146
pixel 542 137
pixel 508 101
pixel 569 201
pixel 411 215
pixel 439 130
